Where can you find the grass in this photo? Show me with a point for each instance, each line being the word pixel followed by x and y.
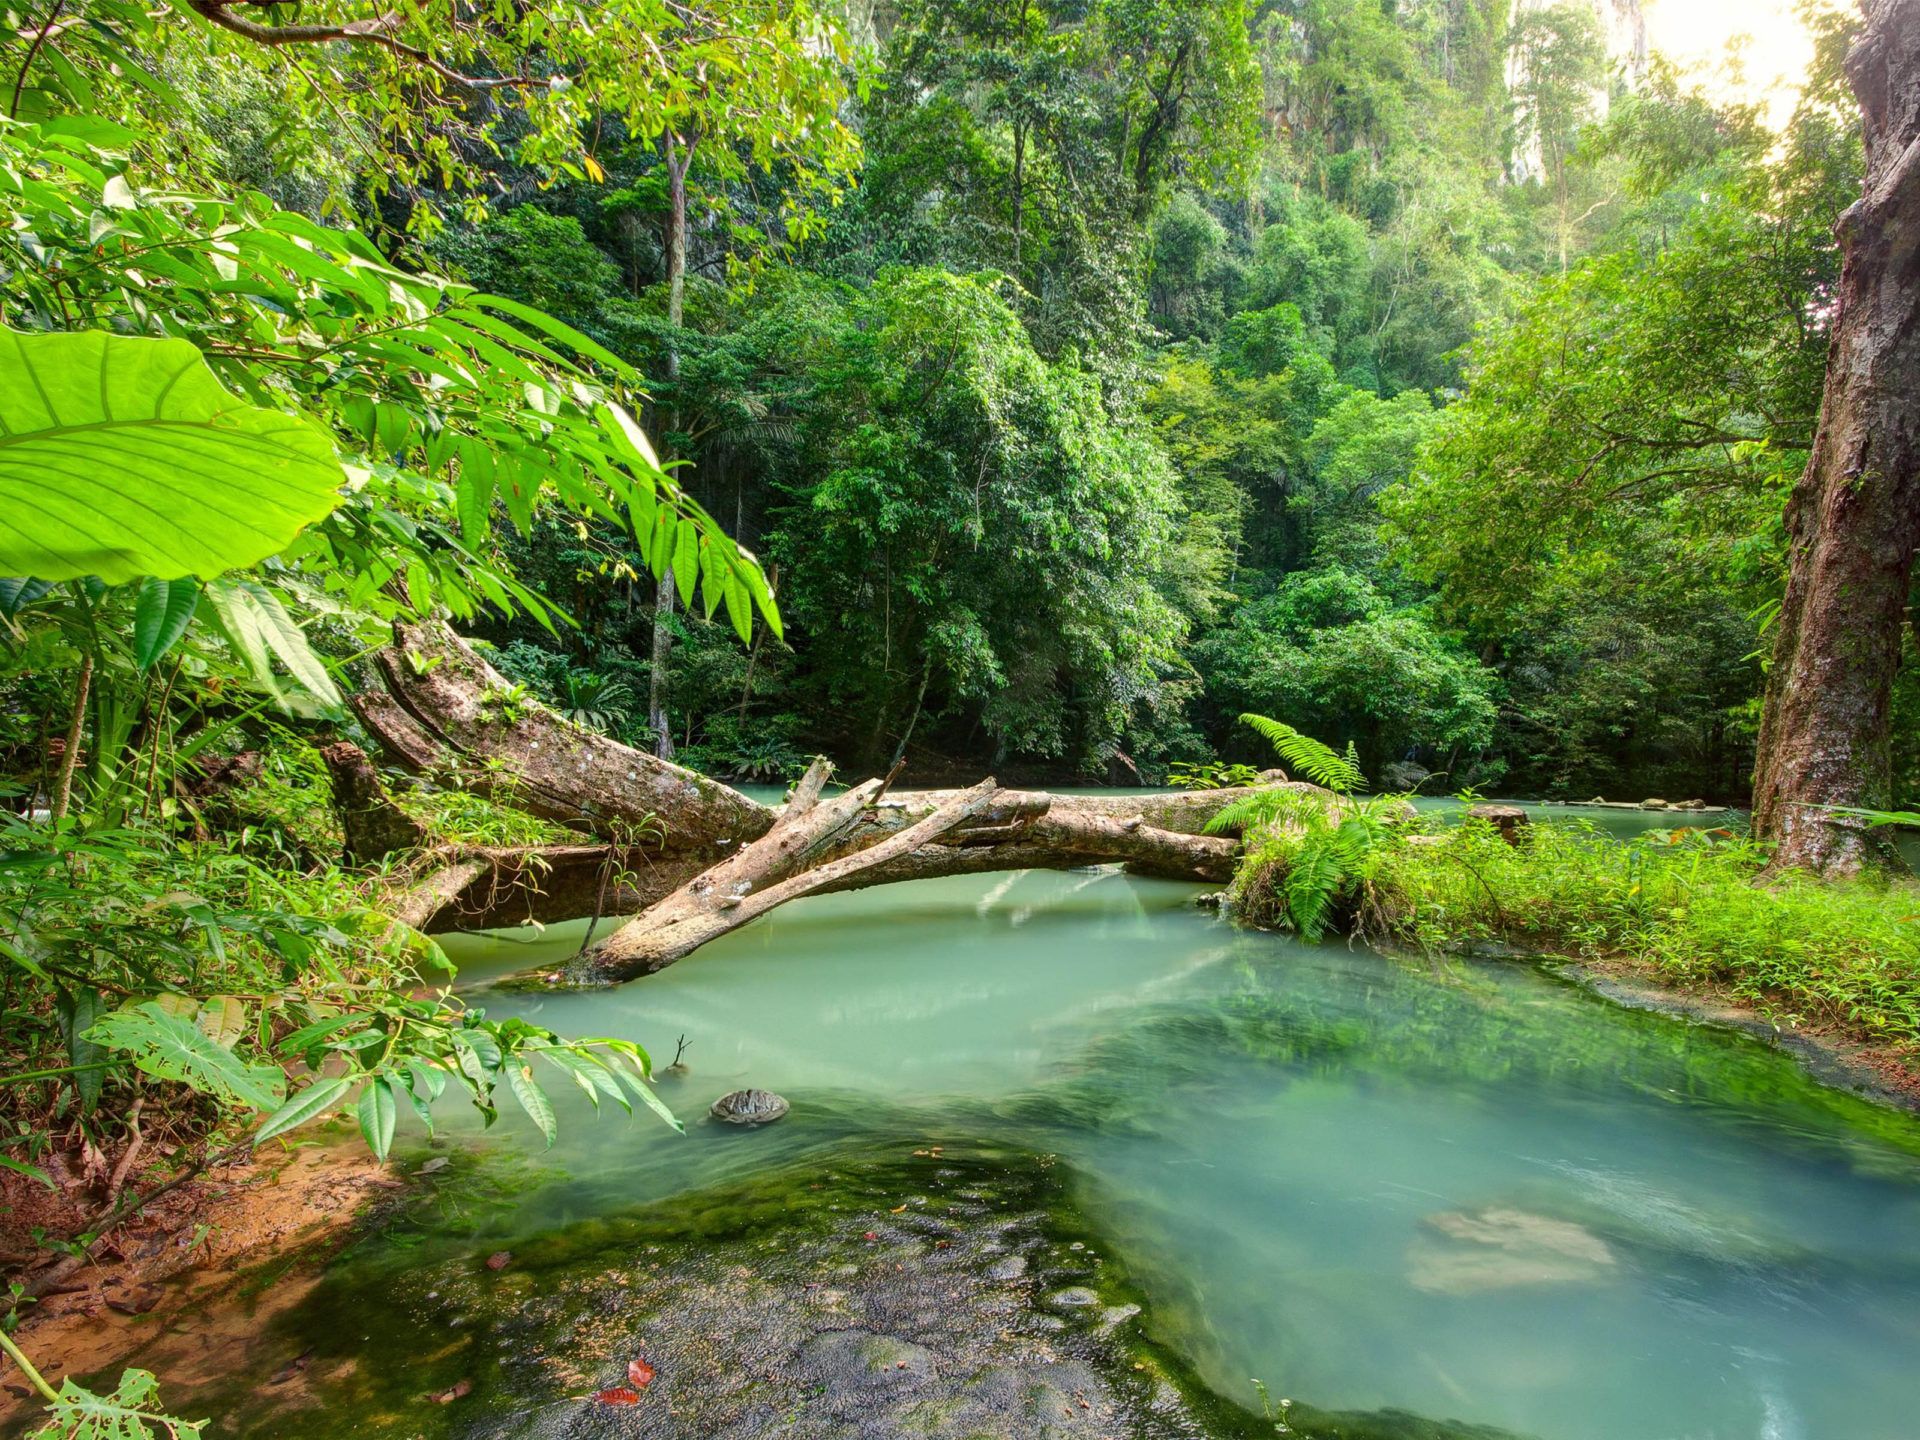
pixel 1686 908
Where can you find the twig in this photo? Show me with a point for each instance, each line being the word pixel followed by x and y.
pixel 20 80
pixel 63 793
pixel 361 32
pixel 134 1146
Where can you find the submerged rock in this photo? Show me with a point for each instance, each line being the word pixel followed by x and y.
pixel 749 1107
pixel 1499 1249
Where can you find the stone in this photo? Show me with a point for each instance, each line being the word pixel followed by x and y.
pixel 1655 805
pixel 1470 1252
pixel 749 1107
pixel 1509 820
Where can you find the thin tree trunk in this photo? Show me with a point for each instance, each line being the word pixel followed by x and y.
pixel 1854 521
pixel 679 158
pixel 919 703
pixel 70 757
pixel 1019 193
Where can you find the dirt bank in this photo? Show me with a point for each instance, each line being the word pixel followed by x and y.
pixel 242 1242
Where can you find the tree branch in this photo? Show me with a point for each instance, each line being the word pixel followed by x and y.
pixel 358 32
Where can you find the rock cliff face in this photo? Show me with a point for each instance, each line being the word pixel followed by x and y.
pixel 1625 24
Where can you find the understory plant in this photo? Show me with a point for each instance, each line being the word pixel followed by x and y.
pixel 1307 850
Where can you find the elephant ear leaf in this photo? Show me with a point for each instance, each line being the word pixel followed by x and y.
pixel 161 616
pixel 123 457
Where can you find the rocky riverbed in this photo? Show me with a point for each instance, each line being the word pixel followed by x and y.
pixel 940 1292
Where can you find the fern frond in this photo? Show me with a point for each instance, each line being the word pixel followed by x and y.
pixel 1318 762
pixel 1313 883
pixel 1276 806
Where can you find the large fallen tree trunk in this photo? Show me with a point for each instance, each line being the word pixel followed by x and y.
pixel 689 859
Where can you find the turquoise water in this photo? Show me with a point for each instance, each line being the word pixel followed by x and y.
pixel 1471 1192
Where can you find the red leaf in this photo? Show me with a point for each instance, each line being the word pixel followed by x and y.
pixel 618 1395
pixel 640 1373
pixel 499 1260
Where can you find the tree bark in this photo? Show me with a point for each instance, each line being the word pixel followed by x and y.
pixel 443 711
pixel 373 827
pixel 1854 520
pixel 766 874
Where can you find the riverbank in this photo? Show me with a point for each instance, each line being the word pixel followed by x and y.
pixel 245 1241
pixel 1683 922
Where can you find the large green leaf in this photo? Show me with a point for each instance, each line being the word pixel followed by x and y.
pixel 124 457
pixel 169 1048
pixel 161 616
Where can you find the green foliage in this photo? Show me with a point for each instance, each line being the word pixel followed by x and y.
pixel 1311 757
pixel 129 1413
pixel 1306 852
pixel 998 527
pixel 164 1045
pixel 1328 647
pixel 114 422
pixel 1685 905
pixel 1209 775
pixel 447 401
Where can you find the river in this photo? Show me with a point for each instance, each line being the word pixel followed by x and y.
pixel 1464 1191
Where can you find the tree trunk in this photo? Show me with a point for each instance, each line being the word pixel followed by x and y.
pixel 1019 195
pixel 1854 521
pixel 372 826
pixel 679 158
pixel 441 713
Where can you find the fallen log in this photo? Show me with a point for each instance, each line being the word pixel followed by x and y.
pixel 725 898
pixel 690 859
pixel 446 709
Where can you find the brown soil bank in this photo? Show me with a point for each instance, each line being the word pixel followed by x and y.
pixel 246 1240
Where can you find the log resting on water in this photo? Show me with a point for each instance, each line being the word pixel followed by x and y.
pixel 689 859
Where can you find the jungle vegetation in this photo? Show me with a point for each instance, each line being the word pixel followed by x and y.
pixel 1025 386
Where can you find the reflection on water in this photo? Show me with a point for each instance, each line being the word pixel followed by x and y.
pixel 1461 1191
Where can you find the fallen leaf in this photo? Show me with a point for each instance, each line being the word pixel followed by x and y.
pixel 138 1302
pixel 447 1397
pixel 499 1260
pixel 618 1395
pixel 292 1368
pixel 870 1235
pixel 896 1209
pixel 640 1373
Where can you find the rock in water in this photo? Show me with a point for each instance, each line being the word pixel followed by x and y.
pixel 1509 820
pixel 749 1107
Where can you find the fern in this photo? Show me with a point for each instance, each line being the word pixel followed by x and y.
pixel 1320 763
pixel 1266 808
